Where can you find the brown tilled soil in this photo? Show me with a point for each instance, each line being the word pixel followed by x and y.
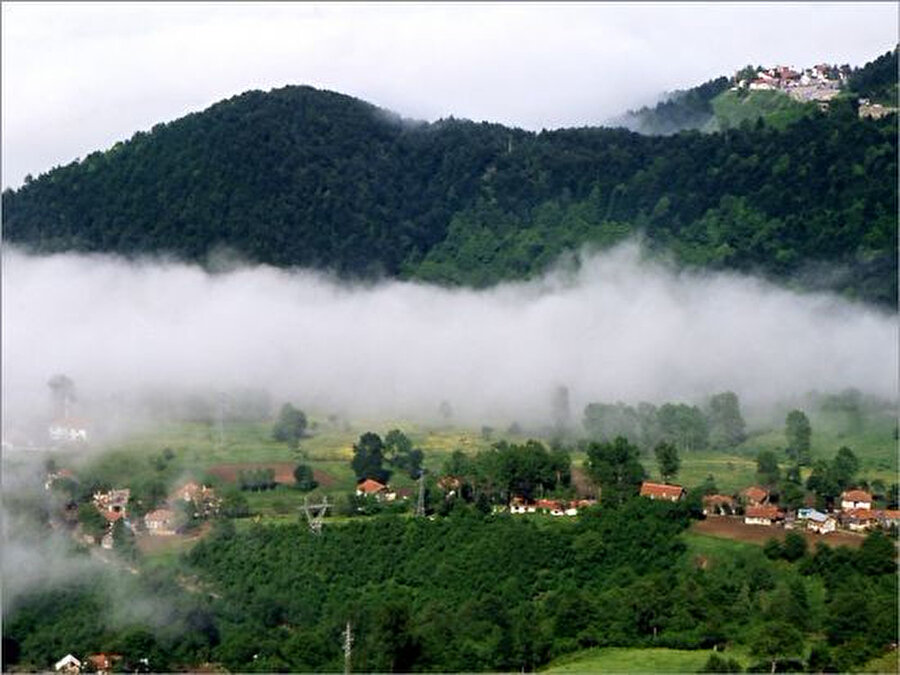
pixel 284 472
pixel 733 527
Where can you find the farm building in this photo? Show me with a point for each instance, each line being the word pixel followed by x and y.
pixel 670 493
pixel 372 488
pixel 762 515
pixel 67 664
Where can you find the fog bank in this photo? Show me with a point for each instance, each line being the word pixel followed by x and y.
pixel 618 328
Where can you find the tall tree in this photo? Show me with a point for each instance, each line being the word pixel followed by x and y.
pixel 616 467
pixel 290 426
pixel 726 425
pixel 368 458
pixel 767 468
pixel 798 431
pixel 667 460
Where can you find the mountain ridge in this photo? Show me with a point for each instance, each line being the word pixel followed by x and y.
pixel 306 177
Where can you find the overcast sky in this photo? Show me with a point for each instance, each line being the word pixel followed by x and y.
pixel 77 77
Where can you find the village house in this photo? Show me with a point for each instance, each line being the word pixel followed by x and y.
pixel 762 515
pixel 858 520
pixel 449 484
pixel 102 663
pixel 204 498
pixel 372 488
pixel 519 505
pixel 856 499
pixel 755 496
pixel 68 430
pixel 160 522
pixel 112 505
pixel 816 521
pixel 718 505
pixel 671 493
pixel 67 664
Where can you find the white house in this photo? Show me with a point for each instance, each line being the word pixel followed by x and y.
pixel 67 664
pixel 816 521
pixel 762 515
pixel 856 499
pixel 160 522
pixel 68 430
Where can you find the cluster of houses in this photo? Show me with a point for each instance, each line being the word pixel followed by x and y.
pixel 554 507
pixel 113 506
pixel 819 83
pixel 855 513
pixel 164 521
pixel 93 663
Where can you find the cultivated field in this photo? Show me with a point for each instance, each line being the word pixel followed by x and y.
pixel 735 528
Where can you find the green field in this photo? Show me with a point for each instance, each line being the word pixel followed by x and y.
pixel 649 660
pixel 779 110
pixel 197 447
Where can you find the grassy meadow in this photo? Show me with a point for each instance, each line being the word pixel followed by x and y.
pixel 634 660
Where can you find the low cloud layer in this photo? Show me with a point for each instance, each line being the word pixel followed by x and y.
pixel 620 328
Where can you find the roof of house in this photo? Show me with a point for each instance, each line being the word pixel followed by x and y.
pixel 649 489
pixel 755 493
pixel 856 496
pixel 102 661
pixel 860 514
pixel 548 504
pixel 765 511
pixel 890 514
pixel 68 659
pixel 713 500
pixel 370 486
pixel 160 515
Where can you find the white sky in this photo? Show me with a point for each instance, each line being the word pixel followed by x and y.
pixel 77 77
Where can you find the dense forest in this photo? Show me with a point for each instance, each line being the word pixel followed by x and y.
pixel 472 592
pixel 298 176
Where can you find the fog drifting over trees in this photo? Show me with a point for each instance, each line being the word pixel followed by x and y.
pixel 618 327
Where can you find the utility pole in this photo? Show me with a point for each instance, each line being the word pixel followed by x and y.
pixel 315 514
pixel 348 648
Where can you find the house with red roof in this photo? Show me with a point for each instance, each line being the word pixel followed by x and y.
pixel 718 505
pixel 102 663
pixel 372 488
pixel 663 491
pixel 856 499
pixel 755 495
pixel 765 514
pixel 160 522
pixel 888 518
pixel 858 520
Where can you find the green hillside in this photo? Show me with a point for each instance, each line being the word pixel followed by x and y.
pixel 734 108
pixel 298 176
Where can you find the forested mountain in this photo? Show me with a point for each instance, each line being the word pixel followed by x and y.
pixel 298 176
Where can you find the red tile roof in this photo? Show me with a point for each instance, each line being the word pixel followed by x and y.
pixel 755 493
pixel 860 514
pixel 766 511
pixel 370 486
pixel 661 490
pixel 856 496
pixel 715 500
